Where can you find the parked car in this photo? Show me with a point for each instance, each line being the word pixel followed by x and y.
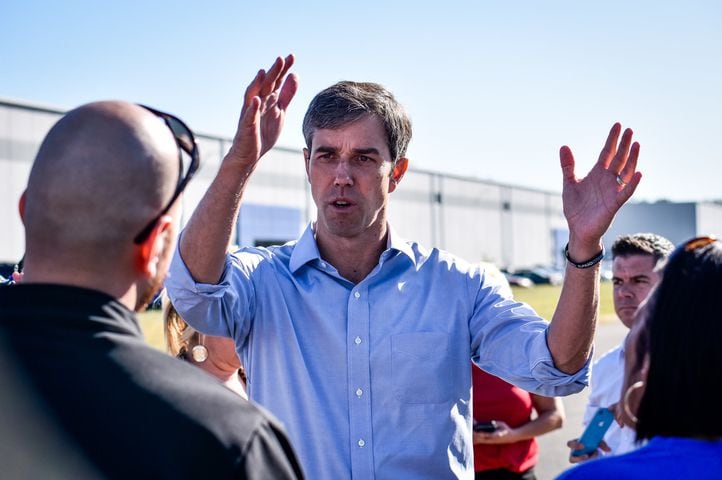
pixel 518 280
pixel 606 271
pixel 542 275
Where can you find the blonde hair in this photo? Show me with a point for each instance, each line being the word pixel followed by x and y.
pixel 179 336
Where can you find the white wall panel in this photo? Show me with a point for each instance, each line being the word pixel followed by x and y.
pixel 410 210
pixel 474 219
pixel 709 219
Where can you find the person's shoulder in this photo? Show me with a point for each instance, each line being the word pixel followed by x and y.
pixel 254 257
pixel 657 459
pixel 449 267
pixel 618 467
pixel 265 252
pixel 222 424
pixel 194 394
pixel 437 257
pixel 230 422
pixel 584 471
pixel 240 428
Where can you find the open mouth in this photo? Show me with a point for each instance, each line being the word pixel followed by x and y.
pixel 341 204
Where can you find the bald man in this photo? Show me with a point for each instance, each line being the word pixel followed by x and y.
pixel 100 214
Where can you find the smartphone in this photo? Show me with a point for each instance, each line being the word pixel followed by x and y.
pixel 487 427
pixel 594 433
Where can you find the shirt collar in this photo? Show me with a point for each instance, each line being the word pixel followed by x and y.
pixel 68 304
pixel 306 249
pixel 395 242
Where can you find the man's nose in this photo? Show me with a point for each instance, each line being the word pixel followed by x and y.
pixel 343 175
pixel 625 291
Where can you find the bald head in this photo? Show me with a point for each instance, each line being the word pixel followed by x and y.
pixel 101 174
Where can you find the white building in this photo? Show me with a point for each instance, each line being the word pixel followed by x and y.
pixel 510 226
pixel 676 221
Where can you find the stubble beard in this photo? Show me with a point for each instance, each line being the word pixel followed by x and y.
pixel 153 285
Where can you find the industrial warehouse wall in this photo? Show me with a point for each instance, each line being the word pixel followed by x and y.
pixel 478 220
pixel 709 219
pixel 21 130
pixel 676 221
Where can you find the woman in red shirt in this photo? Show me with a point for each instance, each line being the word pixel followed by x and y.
pixel 510 451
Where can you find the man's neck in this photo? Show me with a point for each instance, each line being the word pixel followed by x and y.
pixel 353 257
pixel 44 273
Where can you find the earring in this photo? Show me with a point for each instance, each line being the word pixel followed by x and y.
pixel 199 352
pixel 625 402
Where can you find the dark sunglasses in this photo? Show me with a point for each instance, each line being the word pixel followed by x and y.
pixel 699 242
pixel 186 143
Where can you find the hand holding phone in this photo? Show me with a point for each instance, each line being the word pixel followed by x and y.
pixel 487 427
pixel 594 433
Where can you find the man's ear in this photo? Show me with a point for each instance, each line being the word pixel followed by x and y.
pixel 398 172
pixel 21 206
pixel 148 253
pixel 307 160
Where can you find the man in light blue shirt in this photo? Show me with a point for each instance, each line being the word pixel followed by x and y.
pixel 358 340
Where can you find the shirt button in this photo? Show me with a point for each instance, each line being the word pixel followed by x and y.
pixel 359 392
pixel 357 340
pixel 357 295
pixel 361 443
pixel 323 264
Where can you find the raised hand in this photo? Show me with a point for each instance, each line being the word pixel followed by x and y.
pixel 264 110
pixel 590 203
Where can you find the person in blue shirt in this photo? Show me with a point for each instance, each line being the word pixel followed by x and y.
pixel 672 374
pixel 358 340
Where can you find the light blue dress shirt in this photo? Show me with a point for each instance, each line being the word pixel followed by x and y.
pixel 372 380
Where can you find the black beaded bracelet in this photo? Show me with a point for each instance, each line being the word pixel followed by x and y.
pixel 589 263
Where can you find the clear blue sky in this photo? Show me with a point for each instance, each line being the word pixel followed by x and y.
pixel 493 87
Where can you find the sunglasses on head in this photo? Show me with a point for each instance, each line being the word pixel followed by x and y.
pixel 188 166
pixel 699 242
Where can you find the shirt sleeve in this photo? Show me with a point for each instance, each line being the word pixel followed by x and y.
pixel 222 309
pixel 269 455
pixel 508 339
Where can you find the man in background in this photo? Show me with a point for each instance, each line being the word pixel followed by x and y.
pixel 636 263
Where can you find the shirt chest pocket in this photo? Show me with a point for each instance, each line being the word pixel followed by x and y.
pixel 421 367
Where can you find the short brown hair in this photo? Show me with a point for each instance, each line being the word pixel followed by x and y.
pixel 642 244
pixel 345 102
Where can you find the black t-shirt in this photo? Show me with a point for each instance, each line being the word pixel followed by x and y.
pixel 130 411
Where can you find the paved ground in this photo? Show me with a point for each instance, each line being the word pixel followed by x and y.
pixel 553 452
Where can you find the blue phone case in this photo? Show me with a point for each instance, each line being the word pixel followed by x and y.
pixel 594 433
